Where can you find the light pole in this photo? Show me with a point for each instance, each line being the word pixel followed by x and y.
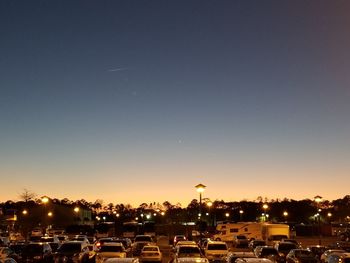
pixel 265 207
pixel 200 189
pixel 285 214
pixel 241 212
pixel 318 200
pixel 44 201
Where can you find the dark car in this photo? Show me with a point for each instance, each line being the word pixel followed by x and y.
pixel 17 249
pixel 268 252
pixel 301 256
pixel 37 252
pixel 256 242
pixel 283 248
pixel 72 251
pixel 137 248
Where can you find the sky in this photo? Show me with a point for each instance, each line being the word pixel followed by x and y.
pixel 139 101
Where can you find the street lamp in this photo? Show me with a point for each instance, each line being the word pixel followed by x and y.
pixel 241 212
pixel 227 215
pixel 265 207
pixel 200 189
pixel 25 212
pixel 318 200
pixel 285 214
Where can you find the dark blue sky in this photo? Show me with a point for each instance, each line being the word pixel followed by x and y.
pixel 140 100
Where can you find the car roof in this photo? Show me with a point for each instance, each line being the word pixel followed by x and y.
pixel 111 244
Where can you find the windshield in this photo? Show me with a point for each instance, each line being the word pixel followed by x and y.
pixel 286 246
pixel 304 253
pixel 194 251
pixel 33 249
pixel 150 249
pixel 143 238
pixel 217 247
pixel 111 249
pixel 70 247
pixel 269 251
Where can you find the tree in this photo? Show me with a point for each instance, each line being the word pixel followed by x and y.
pixel 27 195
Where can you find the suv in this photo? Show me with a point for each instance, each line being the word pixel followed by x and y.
pixel 74 251
pixel 268 252
pixel 216 251
pixel 37 252
pixel 339 258
pixel 241 241
pixel 143 238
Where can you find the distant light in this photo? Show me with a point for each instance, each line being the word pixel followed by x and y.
pixel 207 214
pixel 148 216
pixel 24 212
pixel 155 214
pixel 49 214
pixel 162 213
pixel 117 215
pixel 227 214
pixel 329 214
pixel 76 209
pixel 285 213
pixel 241 211
pixel 265 206
pixel 44 199
pixel 209 204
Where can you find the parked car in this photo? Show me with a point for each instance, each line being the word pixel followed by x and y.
pixel 216 251
pixel 325 255
pixel 339 258
pixel 301 256
pixel 232 256
pixel 75 251
pixel 240 241
pixel 189 254
pixel 253 260
pixel 283 248
pixel 37 252
pixel 151 253
pixel 8 260
pixel 294 241
pixel 110 250
pixel 143 238
pixel 52 240
pixel 6 252
pixel 137 247
pixel 256 242
pixel 318 250
pixel 268 252
pixel 177 238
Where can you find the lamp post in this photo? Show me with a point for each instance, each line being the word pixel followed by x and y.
pixel 25 230
pixel 44 201
pixel 241 212
pixel 200 189
pixel 318 200
pixel 265 207
pixel 285 214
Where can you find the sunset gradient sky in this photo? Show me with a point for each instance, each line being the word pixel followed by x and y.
pixel 139 101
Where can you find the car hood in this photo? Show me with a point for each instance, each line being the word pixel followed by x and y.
pixel 192 260
pixel 111 254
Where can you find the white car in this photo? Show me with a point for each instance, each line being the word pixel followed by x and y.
pixel 189 254
pixel 151 253
pixel 110 250
pixel 122 260
pixel 253 260
pixel 216 251
pixel 232 256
